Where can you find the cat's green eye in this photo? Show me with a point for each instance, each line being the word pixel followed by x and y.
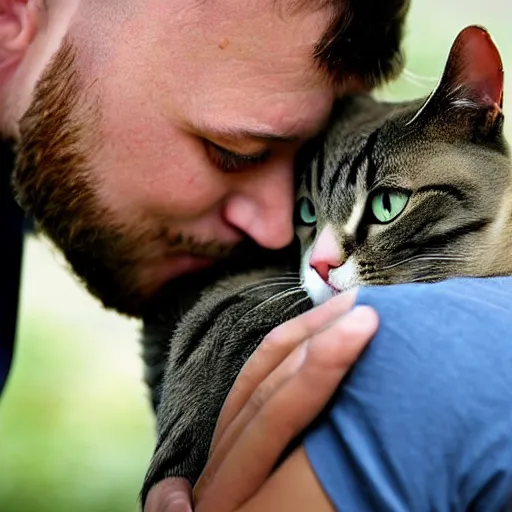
pixel 306 211
pixel 389 204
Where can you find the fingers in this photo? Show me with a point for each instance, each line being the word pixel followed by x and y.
pixel 232 431
pixel 170 495
pixel 278 344
pixel 273 351
pixel 286 403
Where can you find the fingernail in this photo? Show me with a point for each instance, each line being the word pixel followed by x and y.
pixel 364 316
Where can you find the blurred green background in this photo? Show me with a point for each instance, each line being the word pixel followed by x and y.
pixel 76 431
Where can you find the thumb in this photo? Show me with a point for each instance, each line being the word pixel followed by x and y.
pixel 170 495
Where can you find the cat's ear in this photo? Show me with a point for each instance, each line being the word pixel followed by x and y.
pixel 471 87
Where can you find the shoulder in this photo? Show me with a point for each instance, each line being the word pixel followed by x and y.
pixel 460 327
pixel 424 420
pixel 453 336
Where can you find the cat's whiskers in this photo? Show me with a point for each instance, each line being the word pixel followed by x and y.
pixel 424 257
pixel 280 277
pixel 279 296
pixel 423 80
pixel 264 286
pixel 296 304
pixel 424 267
pixel 270 283
pixel 289 292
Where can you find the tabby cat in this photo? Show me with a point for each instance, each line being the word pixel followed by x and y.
pixel 392 193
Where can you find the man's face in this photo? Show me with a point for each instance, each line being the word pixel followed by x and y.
pixel 152 152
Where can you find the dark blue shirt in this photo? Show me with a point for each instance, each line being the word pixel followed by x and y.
pixel 11 244
pixel 424 420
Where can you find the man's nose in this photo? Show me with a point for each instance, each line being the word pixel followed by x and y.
pixel 261 206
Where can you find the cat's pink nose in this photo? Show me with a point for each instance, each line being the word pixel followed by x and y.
pixel 323 268
pixel 326 253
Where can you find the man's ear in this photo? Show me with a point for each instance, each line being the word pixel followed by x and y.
pixel 19 21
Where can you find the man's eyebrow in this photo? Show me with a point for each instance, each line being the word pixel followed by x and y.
pixel 245 133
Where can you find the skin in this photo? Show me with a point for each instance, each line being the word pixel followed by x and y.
pixel 165 90
pixel 153 94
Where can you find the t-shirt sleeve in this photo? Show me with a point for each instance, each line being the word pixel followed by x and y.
pixel 424 420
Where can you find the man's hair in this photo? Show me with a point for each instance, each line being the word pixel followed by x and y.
pixel 363 40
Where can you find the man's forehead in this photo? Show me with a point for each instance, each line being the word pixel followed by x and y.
pixel 255 75
pixel 281 8
pixel 256 25
pixel 246 40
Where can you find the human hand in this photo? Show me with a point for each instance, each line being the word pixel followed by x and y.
pixel 170 495
pixel 280 390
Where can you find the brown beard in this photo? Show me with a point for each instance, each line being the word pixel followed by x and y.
pixel 54 184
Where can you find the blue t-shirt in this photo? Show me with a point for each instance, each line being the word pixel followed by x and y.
pixel 424 420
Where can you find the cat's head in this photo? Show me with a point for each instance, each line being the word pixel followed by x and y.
pixel 415 191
